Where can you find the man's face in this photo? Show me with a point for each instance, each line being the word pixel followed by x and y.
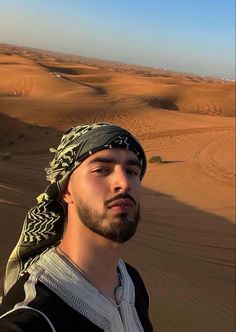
pixel 105 190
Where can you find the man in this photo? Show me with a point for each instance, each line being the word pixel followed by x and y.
pixel 65 273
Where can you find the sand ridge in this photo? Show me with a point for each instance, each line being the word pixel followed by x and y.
pixel 185 244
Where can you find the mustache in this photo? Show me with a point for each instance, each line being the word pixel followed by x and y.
pixel 113 199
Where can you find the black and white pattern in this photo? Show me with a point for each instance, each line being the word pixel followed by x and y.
pixel 84 298
pixel 44 223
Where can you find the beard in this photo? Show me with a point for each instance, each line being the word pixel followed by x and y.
pixel 118 228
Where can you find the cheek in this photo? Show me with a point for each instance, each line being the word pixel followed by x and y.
pixel 139 193
pixel 137 188
pixel 90 191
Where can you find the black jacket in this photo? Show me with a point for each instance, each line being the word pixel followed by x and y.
pixel 62 316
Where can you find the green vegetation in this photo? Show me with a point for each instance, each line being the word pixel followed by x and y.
pixel 155 159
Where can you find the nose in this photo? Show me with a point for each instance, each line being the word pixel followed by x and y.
pixel 120 181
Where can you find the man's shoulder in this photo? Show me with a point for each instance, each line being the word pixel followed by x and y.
pixel 24 320
pixel 134 274
pixel 131 269
pixel 15 315
pixel 141 297
pixel 43 309
pixel 140 289
pixel 17 295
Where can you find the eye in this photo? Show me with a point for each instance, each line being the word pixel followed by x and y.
pixel 101 171
pixel 133 171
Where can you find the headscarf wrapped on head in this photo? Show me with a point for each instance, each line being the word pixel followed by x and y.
pixel 44 223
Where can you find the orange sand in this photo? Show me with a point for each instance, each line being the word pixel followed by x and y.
pixel 184 247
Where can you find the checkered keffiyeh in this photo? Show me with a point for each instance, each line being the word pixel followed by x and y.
pixel 44 223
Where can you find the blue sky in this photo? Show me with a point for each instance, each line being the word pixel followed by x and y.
pixel 194 36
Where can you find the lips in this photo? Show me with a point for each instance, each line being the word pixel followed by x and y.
pixel 122 202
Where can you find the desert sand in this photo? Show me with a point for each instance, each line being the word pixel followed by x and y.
pixel 184 247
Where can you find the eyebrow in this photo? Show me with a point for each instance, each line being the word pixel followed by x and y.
pixel 108 160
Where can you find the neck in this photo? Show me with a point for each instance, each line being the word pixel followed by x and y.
pixel 96 256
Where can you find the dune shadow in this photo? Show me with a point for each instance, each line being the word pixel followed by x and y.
pixel 67 70
pixel 60 70
pixel 99 90
pixel 171 161
pixel 9 63
pixel 186 256
pixel 164 103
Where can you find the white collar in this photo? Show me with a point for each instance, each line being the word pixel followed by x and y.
pixel 74 289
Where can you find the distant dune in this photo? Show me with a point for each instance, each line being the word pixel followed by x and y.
pixel 185 245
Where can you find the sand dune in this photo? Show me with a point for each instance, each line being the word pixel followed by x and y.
pixel 185 244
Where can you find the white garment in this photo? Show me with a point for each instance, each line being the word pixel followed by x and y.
pixel 74 289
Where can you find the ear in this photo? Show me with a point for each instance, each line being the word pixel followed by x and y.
pixel 66 195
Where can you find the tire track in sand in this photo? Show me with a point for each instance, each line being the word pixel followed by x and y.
pixel 212 166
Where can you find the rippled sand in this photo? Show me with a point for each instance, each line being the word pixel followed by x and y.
pixel 185 244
